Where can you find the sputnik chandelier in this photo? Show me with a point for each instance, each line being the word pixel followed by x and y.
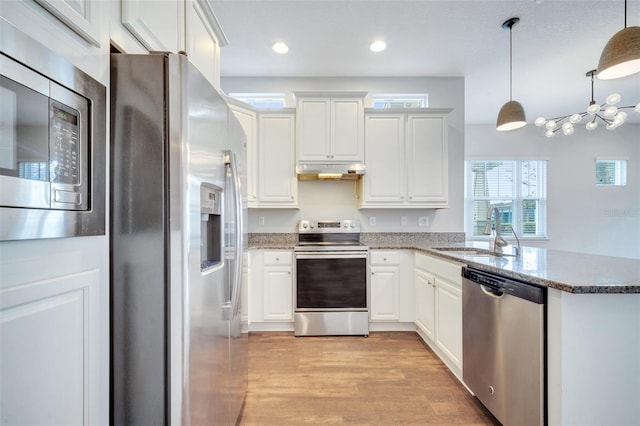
pixel 608 113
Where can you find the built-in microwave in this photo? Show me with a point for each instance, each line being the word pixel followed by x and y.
pixel 52 144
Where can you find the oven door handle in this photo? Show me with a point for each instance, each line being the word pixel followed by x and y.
pixel 332 255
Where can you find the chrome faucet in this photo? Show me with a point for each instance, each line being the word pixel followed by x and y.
pixel 498 242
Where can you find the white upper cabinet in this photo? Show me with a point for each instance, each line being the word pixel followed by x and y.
pixel 385 159
pixel 156 25
pixel 330 127
pixel 78 30
pixel 204 38
pixel 271 177
pixel 249 122
pixel 406 155
pixel 276 177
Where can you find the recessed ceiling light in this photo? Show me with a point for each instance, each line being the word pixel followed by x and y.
pixel 378 46
pixel 280 48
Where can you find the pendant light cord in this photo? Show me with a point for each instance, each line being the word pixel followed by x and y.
pixel 625 13
pixel 511 62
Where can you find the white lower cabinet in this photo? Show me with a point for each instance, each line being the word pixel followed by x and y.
pixel 271 288
pixel 425 302
pixel 391 295
pixel 385 286
pixel 438 286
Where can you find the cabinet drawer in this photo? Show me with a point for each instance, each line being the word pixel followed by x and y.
pixel 385 258
pixel 277 258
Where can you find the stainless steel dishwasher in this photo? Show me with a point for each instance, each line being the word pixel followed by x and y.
pixel 503 341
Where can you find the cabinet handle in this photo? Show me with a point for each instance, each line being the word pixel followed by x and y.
pixel 277 259
pixel 385 259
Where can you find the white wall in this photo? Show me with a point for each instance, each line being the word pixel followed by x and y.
pixel 336 200
pixel 580 216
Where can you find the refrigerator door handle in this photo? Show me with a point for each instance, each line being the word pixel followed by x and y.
pixel 235 285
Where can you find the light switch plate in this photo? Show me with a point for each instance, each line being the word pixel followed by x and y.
pixel 260 220
pixel 423 221
pixel 403 220
pixel 372 220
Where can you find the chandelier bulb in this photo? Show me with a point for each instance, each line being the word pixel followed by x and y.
pixel 575 118
pixel 568 131
pixel 593 108
pixel 591 125
pixel 540 121
pixel 551 124
pixel 637 108
pixel 610 111
pixel 549 133
pixel 613 98
pixel 611 126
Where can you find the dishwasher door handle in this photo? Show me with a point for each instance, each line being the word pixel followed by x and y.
pixel 491 292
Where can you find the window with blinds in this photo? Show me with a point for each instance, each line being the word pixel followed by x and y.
pixel 518 188
pixel 411 100
pixel 261 100
pixel 611 172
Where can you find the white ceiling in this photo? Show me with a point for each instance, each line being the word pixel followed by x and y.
pixel 554 45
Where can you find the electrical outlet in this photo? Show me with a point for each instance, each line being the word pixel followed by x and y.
pixel 372 220
pixel 423 221
pixel 260 220
pixel 403 220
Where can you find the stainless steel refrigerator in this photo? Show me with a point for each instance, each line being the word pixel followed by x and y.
pixel 178 204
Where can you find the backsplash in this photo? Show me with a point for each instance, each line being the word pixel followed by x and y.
pixel 408 239
pixel 411 239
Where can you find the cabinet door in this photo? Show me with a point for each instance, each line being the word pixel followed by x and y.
pixel 203 46
pixel 313 129
pixel 449 320
pixel 249 123
pixel 425 303
pixel 277 293
pixel 50 339
pixel 157 25
pixel 384 158
pixel 347 130
pixel 385 293
pixel 427 159
pixel 277 184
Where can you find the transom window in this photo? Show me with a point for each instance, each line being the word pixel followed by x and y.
pixel 411 100
pixel 518 188
pixel 261 100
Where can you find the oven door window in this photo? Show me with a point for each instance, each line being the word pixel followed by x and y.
pixel 331 283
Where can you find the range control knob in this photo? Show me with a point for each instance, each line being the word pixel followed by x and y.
pixel 305 225
pixel 353 224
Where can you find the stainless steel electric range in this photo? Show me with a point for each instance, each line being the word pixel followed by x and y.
pixel 332 279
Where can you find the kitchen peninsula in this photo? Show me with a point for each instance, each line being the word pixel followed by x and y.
pixel 593 318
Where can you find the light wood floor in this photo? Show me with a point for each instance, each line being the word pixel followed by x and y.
pixel 385 379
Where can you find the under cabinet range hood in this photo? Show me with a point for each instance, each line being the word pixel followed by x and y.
pixel 330 171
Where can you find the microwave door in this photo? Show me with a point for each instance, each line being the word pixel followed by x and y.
pixel 24 148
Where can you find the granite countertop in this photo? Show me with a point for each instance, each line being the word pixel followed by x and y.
pixel 562 270
pixel 566 271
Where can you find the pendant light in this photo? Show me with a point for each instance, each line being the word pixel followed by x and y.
pixel 621 56
pixel 511 115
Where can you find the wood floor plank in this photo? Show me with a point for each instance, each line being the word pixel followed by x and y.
pixel 385 379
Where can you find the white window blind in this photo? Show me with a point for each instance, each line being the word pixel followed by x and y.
pixel 611 172
pixel 412 100
pixel 518 188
